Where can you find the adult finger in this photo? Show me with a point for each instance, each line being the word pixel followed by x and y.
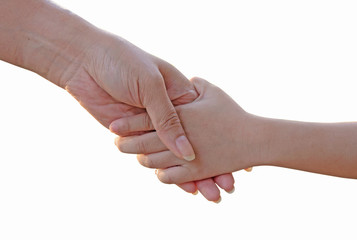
pixel 165 119
pixel 179 89
pixel 142 144
pixel 173 175
pixel 162 160
pixel 136 123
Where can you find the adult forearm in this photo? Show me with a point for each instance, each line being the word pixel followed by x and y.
pixel 326 148
pixel 43 38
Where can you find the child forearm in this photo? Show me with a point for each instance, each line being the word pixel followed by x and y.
pixel 326 148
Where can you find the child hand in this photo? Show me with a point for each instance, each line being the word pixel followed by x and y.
pixel 224 136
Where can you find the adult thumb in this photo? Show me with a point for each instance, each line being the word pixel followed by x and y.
pixel 179 89
pixel 165 119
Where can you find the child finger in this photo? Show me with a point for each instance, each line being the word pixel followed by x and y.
pixel 209 190
pixel 189 187
pixel 225 181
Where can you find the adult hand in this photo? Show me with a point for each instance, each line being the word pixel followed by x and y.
pixel 131 76
pixel 117 80
pixel 110 77
pixel 42 37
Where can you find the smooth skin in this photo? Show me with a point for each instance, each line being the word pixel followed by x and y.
pixel 110 77
pixel 228 139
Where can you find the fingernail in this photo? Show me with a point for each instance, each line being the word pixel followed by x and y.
pixel 219 200
pixel 231 191
pixel 185 148
pixel 195 193
pixel 116 140
pixel 248 169
pixel 156 171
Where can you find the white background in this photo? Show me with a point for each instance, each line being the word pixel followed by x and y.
pixel 61 176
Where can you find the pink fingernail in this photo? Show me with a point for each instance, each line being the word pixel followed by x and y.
pixel 185 148
pixel 218 201
pixel 231 191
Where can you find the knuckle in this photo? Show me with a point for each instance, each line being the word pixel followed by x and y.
pixel 170 121
pixel 194 79
pixel 141 147
pixel 152 80
pixel 156 79
pixel 198 80
pixel 147 121
pixel 149 82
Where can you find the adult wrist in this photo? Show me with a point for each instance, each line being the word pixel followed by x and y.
pixel 46 39
pixel 63 42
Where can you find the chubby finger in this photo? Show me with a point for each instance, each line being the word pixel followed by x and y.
pixel 137 123
pixel 225 181
pixel 209 190
pixel 165 159
pixel 142 144
pixel 189 187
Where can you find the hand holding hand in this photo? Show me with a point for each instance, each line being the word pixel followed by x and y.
pixel 110 77
pixel 224 136
pixel 124 74
pixel 120 78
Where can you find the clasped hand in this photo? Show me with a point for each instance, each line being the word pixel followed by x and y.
pixel 222 133
pixel 120 80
